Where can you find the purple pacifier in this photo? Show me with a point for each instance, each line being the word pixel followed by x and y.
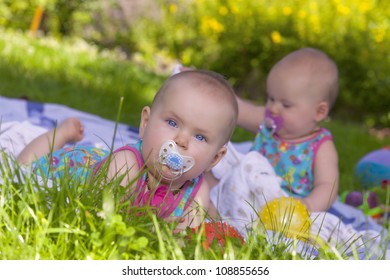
pixel 273 123
pixel 177 163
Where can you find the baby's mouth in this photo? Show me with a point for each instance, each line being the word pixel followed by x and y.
pixel 172 163
pixel 273 123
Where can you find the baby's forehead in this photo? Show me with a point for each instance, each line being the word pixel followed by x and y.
pixel 195 87
pixel 208 88
pixel 200 82
pixel 309 62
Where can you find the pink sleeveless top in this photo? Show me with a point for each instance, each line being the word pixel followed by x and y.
pixel 162 197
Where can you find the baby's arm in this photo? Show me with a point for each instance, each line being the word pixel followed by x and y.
pixel 124 163
pixel 326 179
pixel 70 130
pixel 250 115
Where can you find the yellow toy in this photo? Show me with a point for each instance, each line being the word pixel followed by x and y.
pixel 287 215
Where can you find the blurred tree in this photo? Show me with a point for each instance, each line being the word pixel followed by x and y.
pixel 59 15
pixel 66 10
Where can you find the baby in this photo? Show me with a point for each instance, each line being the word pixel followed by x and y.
pixel 183 135
pixel 301 88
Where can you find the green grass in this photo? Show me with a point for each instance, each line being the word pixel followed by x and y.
pixel 75 74
pixel 69 220
pixel 87 222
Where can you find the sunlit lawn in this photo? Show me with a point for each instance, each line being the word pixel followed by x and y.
pixel 67 223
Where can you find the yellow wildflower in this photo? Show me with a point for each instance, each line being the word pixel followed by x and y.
pixel 344 10
pixel 313 6
pixel 276 37
pixel 379 35
pixel 365 6
pixel 315 24
pixel 234 9
pixel 172 8
pixel 211 24
pixel 287 11
pixel 223 11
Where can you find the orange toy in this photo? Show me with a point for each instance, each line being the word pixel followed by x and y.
pixel 218 231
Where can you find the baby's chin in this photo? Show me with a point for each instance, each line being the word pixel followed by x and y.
pixel 285 136
pixel 165 176
pixel 166 173
pixel 289 136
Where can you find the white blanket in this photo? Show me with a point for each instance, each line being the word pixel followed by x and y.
pixel 14 135
pixel 248 182
pixel 21 121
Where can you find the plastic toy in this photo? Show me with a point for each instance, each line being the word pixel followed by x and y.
pixel 373 170
pixel 217 231
pixel 366 201
pixel 287 215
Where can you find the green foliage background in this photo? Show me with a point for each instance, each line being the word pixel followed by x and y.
pixel 41 222
pixel 242 39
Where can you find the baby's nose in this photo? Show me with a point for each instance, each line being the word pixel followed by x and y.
pixel 274 109
pixel 181 140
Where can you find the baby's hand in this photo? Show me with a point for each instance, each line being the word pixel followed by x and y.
pixel 180 68
pixel 71 130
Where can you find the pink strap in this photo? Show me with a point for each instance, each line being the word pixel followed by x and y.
pixel 165 210
pixel 194 192
pixel 319 143
pixel 135 152
pixel 139 163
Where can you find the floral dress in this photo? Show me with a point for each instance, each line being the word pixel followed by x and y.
pixel 292 160
pixel 82 161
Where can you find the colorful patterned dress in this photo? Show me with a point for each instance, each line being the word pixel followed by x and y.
pixel 292 160
pixel 82 162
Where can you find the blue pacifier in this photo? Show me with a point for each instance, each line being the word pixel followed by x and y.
pixel 177 163
pixel 174 161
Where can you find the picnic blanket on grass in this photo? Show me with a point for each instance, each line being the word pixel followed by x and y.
pixel 248 181
pixel 22 120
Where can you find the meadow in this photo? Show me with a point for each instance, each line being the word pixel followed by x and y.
pixel 87 222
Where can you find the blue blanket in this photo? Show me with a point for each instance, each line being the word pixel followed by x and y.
pixel 98 132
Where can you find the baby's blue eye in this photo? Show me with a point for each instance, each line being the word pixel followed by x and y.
pixel 172 123
pixel 200 137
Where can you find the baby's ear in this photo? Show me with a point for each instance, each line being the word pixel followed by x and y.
pixel 220 154
pixel 145 114
pixel 322 111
